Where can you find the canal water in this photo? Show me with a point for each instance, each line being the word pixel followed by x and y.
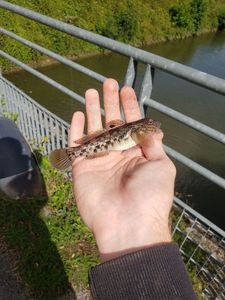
pixel 205 53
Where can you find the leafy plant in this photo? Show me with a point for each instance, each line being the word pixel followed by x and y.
pixel 180 16
pixel 198 11
pixel 221 20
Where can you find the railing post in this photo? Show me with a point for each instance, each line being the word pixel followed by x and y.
pixel 131 73
pixel 146 88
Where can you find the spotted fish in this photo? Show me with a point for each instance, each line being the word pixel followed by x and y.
pixel 117 136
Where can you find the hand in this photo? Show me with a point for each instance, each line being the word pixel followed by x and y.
pixel 124 197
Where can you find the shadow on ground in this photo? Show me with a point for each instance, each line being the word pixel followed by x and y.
pixel 35 261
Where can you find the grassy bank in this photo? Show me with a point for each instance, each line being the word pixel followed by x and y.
pixel 136 22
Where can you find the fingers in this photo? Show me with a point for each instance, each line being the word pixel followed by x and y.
pixel 111 100
pixel 130 105
pixel 93 110
pixel 76 128
pixel 111 106
pixel 152 146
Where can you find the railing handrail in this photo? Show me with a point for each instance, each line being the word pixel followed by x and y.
pixel 198 77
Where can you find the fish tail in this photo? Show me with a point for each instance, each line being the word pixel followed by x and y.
pixel 59 159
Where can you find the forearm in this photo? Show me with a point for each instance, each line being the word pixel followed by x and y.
pixel 157 272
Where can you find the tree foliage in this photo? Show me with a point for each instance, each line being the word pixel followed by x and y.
pixel 189 16
pixel 136 22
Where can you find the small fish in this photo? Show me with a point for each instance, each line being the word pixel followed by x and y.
pixel 117 136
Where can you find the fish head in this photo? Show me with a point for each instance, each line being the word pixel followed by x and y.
pixel 147 125
pixel 143 128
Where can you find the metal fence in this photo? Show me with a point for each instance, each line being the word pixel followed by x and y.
pixel 202 244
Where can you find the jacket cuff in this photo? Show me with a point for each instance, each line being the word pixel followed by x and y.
pixel 157 272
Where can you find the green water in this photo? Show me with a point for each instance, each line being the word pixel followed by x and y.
pixel 205 53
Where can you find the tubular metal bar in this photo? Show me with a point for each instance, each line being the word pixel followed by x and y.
pixel 45 78
pixel 186 120
pixel 54 55
pixel 196 167
pixel 201 78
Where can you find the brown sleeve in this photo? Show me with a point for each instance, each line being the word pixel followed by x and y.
pixel 155 273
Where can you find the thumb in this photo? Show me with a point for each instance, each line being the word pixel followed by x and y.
pixel 152 146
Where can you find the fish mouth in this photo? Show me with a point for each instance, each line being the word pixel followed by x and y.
pixel 157 124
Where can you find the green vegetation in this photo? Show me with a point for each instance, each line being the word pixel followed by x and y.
pixel 135 22
pixel 189 16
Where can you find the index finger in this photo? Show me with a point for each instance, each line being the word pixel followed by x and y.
pixel 76 129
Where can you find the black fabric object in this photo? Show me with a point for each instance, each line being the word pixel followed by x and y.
pixel 19 173
pixel 15 153
pixel 157 272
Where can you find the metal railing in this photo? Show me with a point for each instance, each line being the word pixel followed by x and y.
pixel 202 244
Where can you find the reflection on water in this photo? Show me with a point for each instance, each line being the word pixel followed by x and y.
pixel 205 53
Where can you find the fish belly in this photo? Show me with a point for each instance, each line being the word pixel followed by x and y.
pixel 123 145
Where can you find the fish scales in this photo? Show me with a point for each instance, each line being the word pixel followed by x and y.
pixel 116 139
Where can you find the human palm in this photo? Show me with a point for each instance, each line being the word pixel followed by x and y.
pixel 124 197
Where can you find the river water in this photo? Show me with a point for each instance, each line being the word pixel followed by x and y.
pixel 205 53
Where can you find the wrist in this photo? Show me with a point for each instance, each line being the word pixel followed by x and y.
pixel 126 240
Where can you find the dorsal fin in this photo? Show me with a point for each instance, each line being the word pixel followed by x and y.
pixel 114 123
pixel 89 137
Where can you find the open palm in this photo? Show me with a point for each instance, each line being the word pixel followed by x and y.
pixel 124 197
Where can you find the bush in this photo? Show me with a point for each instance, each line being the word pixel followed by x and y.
pixel 221 20
pixel 180 17
pixel 127 25
pixel 198 11
pixel 122 26
pixel 189 16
